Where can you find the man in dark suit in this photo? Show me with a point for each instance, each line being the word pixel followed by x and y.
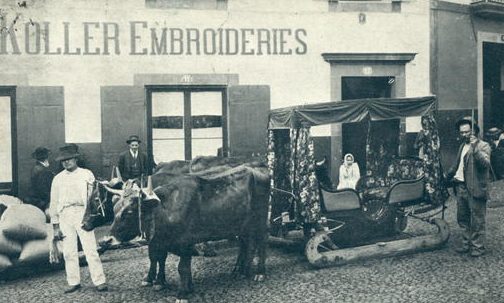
pixel 470 175
pixel 41 178
pixel 133 162
pixel 496 136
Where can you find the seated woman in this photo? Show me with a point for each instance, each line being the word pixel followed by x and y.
pixel 349 173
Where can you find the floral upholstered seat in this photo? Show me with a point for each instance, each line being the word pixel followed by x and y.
pixel 373 187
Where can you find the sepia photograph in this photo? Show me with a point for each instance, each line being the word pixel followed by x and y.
pixel 252 151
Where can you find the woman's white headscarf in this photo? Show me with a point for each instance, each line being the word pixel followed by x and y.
pixel 348 162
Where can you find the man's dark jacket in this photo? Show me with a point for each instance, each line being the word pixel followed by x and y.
pixel 41 179
pixel 476 168
pixel 126 162
pixel 498 161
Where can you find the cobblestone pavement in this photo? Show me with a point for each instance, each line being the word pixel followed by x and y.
pixel 437 276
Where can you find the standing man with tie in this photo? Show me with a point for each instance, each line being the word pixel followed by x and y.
pixel 133 162
pixel 470 175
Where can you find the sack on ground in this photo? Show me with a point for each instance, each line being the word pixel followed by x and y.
pixel 23 222
pixel 495 192
pixel 35 251
pixel 9 247
pixel 4 263
pixel 44 250
pixel 9 200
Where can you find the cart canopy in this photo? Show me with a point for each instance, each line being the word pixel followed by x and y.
pixel 349 111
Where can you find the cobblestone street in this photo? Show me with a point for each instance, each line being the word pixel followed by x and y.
pixel 437 276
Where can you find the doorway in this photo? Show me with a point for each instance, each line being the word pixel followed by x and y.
pixel 493 85
pixel 355 134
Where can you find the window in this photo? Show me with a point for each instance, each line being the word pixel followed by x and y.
pixel 365 5
pixel 187 4
pixel 7 131
pixel 187 122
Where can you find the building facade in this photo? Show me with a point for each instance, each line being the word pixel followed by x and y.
pixel 467 65
pixel 197 77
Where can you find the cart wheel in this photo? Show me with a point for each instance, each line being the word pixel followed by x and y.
pixel 376 210
pixel 380 215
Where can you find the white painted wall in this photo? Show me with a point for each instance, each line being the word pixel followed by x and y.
pixel 294 79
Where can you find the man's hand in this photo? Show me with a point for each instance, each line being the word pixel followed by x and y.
pixel 58 235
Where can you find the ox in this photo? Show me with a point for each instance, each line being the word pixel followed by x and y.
pixel 191 209
pixel 173 167
pixel 201 166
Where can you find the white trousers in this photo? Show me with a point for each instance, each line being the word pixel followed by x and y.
pixel 70 223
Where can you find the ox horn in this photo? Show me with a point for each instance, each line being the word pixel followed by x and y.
pixel 150 196
pixel 149 185
pixel 114 191
pixel 118 173
pixel 113 171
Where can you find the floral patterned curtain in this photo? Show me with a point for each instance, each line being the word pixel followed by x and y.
pixel 303 179
pixel 279 162
pixel 292 166
pixel 378 156
pixel 433 171
pixel 383 170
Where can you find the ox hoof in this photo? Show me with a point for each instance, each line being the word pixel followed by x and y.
pixel 259 278
pixel 146 284
pixel 181 301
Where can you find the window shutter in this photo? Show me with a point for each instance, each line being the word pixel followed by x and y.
pixel 123 114
pixel 40 122
pixel 249 107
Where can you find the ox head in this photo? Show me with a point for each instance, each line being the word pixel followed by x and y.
pixel 100 204
pixel 94 215
pixel 323 174
pixel 130 209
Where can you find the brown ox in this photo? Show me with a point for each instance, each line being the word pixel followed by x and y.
pixel 193 209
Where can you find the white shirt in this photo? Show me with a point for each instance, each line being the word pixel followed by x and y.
pixel 134 154
pixel 459 175
pixel 69 189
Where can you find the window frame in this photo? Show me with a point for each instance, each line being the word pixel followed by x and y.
pixel 11 187
pixel 187 90
pixel 365 6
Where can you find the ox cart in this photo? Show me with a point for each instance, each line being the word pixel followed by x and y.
pixel 346 225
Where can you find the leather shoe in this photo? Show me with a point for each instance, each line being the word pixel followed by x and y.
pixel 102 287
pixel 72 288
